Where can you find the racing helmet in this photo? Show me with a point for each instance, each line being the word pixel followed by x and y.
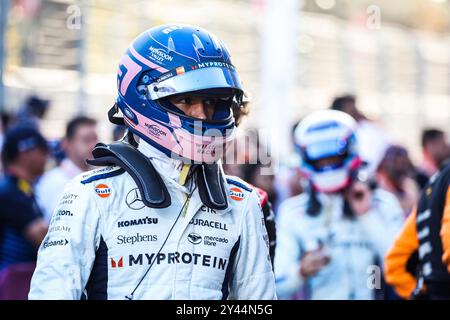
pixel 327 144
pixel 175 60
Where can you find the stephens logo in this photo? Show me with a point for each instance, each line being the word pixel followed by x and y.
pixel 236 194
pixel 155 131
pixel 137 238
pixel 159 54
pixel 103 190
pixel 194 238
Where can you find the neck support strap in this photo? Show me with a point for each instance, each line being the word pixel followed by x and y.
pixel 209 177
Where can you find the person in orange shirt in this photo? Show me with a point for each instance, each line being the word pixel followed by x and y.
pixel 418 264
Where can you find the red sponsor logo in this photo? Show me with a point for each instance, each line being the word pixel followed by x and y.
pixel 117 264
pixel 236 194
pixel 103 190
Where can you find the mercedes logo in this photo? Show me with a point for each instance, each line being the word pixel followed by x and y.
pixel 134 200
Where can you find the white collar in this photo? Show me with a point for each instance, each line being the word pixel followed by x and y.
pixel 167 167
pixel 170 169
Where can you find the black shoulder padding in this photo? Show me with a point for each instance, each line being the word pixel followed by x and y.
pixel 211 186
pixel 153 190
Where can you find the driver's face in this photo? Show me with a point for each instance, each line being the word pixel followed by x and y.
pixel 198 107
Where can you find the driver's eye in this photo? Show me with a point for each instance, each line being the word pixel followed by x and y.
pixel 210 102
pixel 185 100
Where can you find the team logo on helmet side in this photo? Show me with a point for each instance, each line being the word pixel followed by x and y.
pixel 159 55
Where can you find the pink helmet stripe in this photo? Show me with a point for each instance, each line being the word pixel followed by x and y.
pixel 132 70
pixel 175 120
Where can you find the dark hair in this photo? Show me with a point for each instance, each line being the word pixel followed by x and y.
pixel 37 106
pixel 340 101
pixel 429 135
pixel 6 119
pixel 21 138
pixel 77 122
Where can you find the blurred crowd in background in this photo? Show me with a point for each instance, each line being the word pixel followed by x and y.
pixel 48 129
pixel 37 168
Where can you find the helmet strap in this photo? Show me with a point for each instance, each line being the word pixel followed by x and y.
pixel 111 115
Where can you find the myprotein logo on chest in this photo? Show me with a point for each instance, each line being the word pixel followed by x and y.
pixel 142 259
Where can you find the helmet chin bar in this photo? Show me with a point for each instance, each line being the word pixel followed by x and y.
pixel 210 177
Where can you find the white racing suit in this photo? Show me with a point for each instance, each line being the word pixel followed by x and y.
pixel 102 240
pixel 352 244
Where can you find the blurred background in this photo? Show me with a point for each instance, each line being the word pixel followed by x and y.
pixel 294 56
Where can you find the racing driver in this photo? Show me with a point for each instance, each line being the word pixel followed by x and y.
pixel 159 219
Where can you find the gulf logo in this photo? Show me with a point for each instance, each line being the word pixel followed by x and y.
pixel 103 190
pixel 236 194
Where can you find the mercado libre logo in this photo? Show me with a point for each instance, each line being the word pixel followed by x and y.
pixel 236 194
pixel 103 190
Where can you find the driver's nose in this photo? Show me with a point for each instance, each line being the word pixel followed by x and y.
pixel 197 109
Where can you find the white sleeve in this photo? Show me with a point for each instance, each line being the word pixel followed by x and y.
pixel 66 255
pixel 383 221
pixel 253 278
pixel 287 256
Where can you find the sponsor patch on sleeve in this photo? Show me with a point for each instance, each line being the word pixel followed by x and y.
pixel 236 194
pixel 102 190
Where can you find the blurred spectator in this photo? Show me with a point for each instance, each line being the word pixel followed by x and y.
pixel 33 111
pixel 330 235
pixel 396 174
pixel 418 263
pixel 22 227
pixel 435 150
pixel 251 173
pixel 80 139
pixel 373 141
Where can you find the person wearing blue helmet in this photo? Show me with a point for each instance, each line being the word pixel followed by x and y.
pixel 330 236
pixel 160 219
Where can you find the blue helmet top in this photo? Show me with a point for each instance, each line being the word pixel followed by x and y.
pixel 178 59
